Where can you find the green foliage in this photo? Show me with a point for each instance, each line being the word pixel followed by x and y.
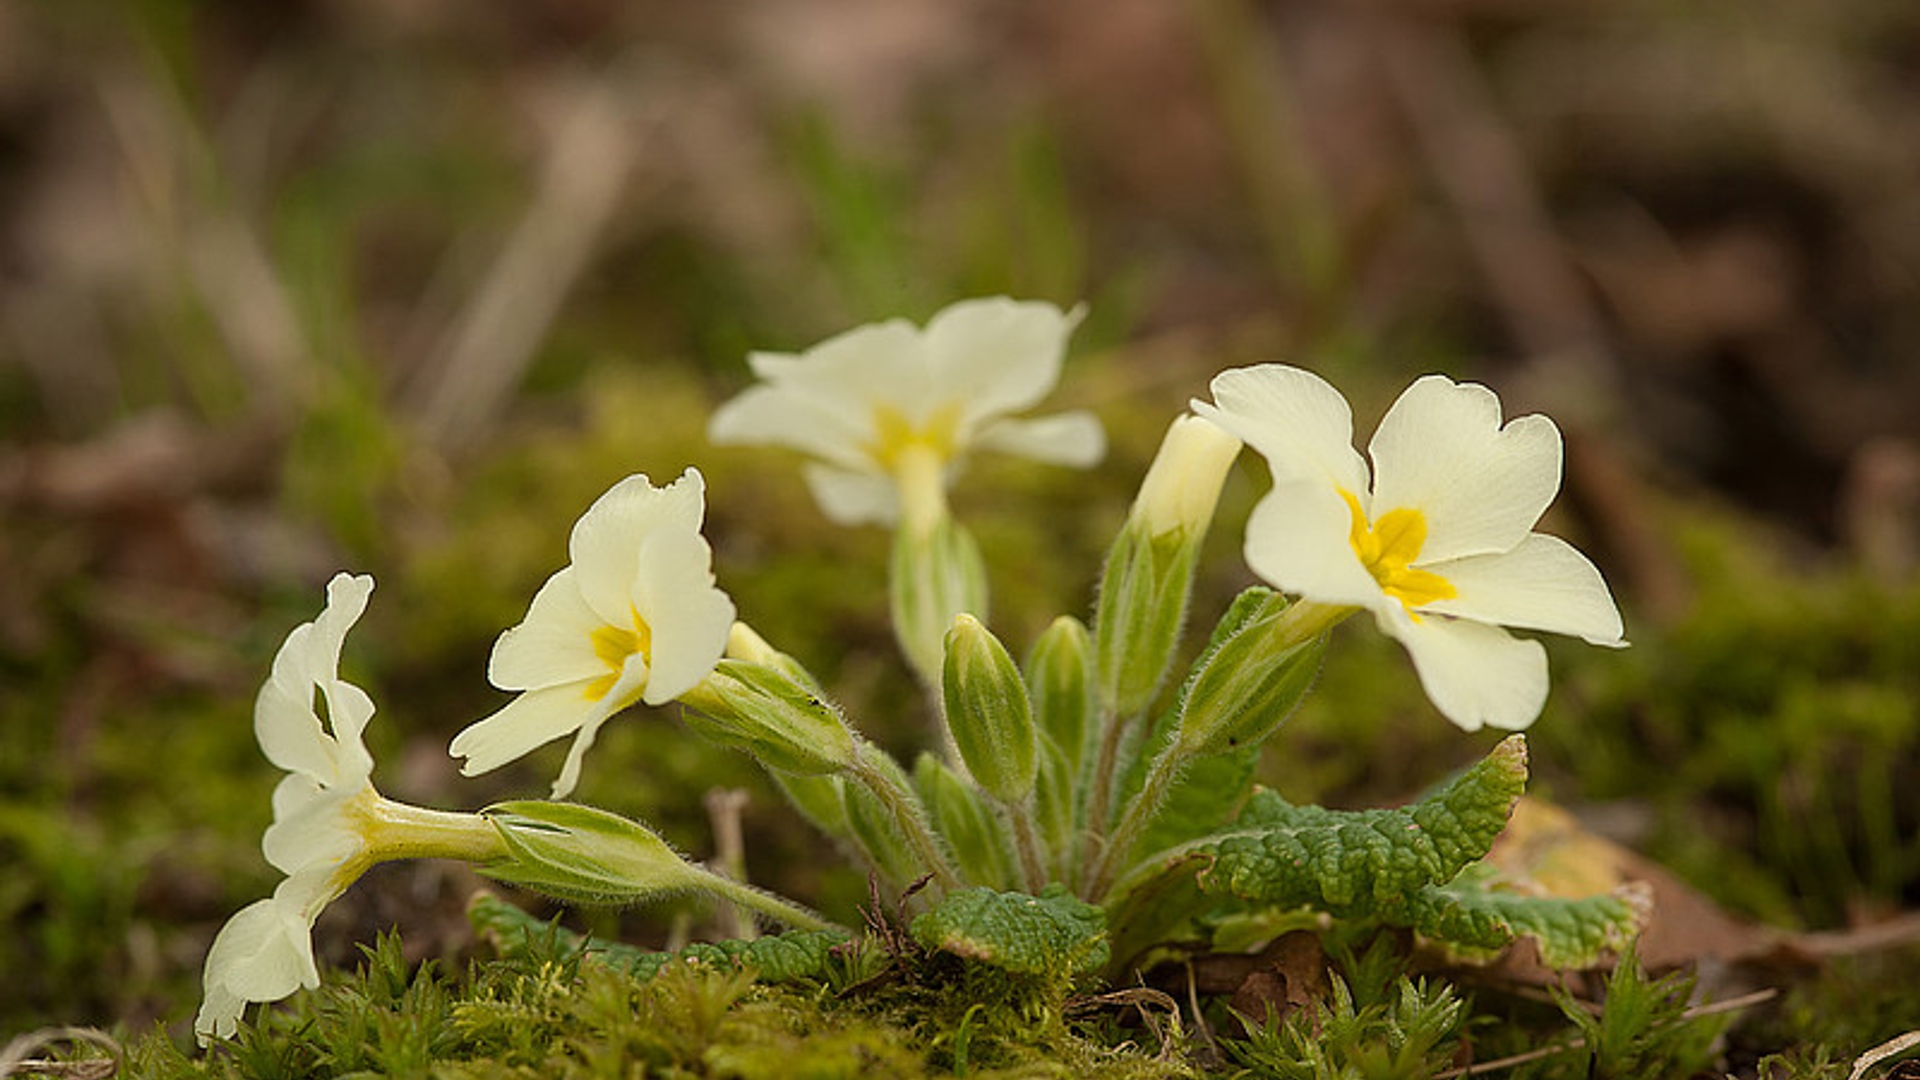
pixel 1364 862
pixel 960 812
pixel 1642 1030
pixel 1477 911
pixel 1408 1032
pixel 1210 789
pixel 1059 680
pixel 821 956
pixel 1851 1002
pixel 1055 934
pixel 988 715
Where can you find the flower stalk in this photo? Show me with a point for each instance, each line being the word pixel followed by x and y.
pixel 907 815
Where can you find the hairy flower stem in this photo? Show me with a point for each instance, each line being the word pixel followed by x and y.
pixel 773 907
pixel 1113 732
pixel 1301 622
pixel 1028 845
pixel 906 812
pixel 1161 775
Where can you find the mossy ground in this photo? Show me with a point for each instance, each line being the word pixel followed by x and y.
pixel 246 254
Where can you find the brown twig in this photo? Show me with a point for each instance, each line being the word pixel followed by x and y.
pixel 15 1059
pixel 730 855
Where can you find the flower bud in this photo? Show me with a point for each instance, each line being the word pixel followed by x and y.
pixel 988 713
pixel 744 643
pixel 1060 685
pixel 1249 683
pixel 1149 570
pixel 971 828
pixel 1183 483
pixel 763 711
pixel 584 855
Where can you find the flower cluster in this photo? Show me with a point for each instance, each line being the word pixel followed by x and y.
pixel 1052 778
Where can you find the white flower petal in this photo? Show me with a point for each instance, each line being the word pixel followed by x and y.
pixel 310 826
pixel 553 644
pixel 1475 674
pixel 776 415
pixel 219 1016
pixel 257 956
pixel 995 355
pixel 349 709
pixel 853 498
pixel 1298 540
pixel 346 601
pixel 1441 450
pixel 285 722
pixel 1070 438
pixel 626 690
pixel 287 729
pixel 605 545
pixel 528 722
pixel 826 397
pixel 1299 423
pixel 1543 584
pixel 689 618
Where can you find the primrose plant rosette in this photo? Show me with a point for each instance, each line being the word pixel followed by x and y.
pixel 634 617
pixel 1437 542
pixel 309 722
pixel 889 410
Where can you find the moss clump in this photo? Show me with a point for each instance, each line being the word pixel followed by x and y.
pixel 553 1009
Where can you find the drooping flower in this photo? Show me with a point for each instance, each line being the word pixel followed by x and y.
pixel 1437 541
pixel 634 617
pixel 309 722
pixel 889 410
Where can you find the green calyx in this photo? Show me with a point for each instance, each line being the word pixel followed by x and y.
pixel 1141 609
pixel 1060 684
pixel 584 855
pixel 1254 679
pixel 768 713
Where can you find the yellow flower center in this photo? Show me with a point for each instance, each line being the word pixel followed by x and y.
pixel 613 644
pixel 893 434
pixel 916 456
pixel 1387 549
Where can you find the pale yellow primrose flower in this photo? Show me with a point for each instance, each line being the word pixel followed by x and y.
pixel 889 410
pixel 1437 543
pixel 634 617
pixel 266 951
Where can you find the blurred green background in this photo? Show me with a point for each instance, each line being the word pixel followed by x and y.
pixel 399 286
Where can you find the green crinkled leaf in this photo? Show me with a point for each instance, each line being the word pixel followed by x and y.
pixel 1480 911
pixel 801 955
pixel 1365 862
pixel 1053 933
